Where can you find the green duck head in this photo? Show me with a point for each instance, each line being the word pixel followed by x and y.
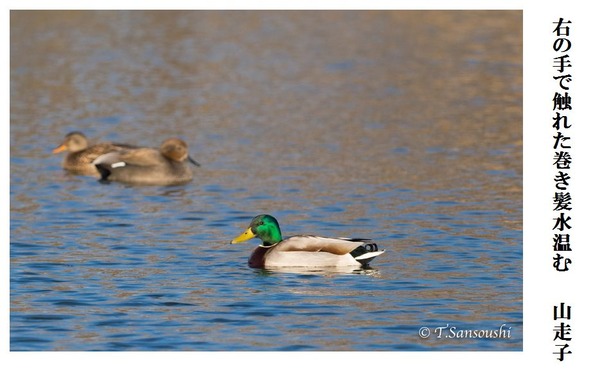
pixel 264 227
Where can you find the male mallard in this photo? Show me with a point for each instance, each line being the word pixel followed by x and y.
pixel 303 251
pixel 163 166
pixel 80 156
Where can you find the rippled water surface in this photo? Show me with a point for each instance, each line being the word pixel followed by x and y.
pixel 400 126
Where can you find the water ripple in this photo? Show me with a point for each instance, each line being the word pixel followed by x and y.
pixel 326 142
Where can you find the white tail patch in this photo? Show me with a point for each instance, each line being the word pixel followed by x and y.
pixel 369 255
pixel 118 164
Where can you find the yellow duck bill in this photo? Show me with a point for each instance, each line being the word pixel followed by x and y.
pixel 248 234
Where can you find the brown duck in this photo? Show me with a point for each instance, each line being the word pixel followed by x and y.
pixel 80 156
pixel 164 166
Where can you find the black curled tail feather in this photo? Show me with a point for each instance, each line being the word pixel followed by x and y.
pixel 360 252
pixel 365 248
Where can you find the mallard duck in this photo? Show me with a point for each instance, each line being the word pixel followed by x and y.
pixel 165 166
pixel 303 250
pixel 80 156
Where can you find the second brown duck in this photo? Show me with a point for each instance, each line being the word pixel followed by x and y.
pixel 164 166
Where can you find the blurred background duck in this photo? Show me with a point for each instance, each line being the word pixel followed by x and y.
pixel 304 250
pixel 80 155
pixel 146 166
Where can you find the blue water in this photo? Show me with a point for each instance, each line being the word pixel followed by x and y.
pixel 321 137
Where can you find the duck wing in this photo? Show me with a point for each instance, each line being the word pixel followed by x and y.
pixel 305 243
pixel 139 157
pixel 88 155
